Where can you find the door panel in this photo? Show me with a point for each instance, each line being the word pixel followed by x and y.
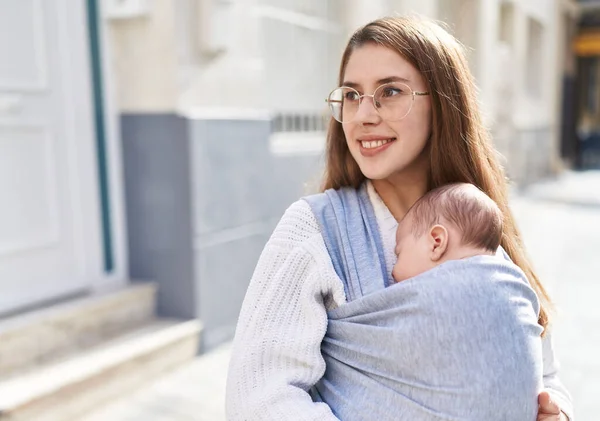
pixel 49 215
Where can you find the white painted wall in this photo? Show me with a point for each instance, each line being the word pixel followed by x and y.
pixel 222 65
pixel 533 110
pixel 429 8
pixel 361 12
pixel 144 59
pixel 231 54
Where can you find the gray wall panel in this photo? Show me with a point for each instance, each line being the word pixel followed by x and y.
pixel 232 171
pixel 202 198
pixel 224 270
pixel 158 208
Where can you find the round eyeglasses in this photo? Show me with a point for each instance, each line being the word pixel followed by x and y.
pixel 393 101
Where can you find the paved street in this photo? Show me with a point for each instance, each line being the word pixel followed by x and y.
pixel 560 222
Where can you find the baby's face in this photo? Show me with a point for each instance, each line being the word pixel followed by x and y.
pixel 413 253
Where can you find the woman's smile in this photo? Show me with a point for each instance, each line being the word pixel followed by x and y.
pixel 373 145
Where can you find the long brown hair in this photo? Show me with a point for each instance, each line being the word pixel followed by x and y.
pixel 460 148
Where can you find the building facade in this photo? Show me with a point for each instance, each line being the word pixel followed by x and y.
pixel 581 117
pixel 161 140
pixel 234 90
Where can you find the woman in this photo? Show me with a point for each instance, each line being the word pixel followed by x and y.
pixel 404 122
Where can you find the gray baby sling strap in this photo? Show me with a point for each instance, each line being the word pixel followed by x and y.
pixel 347 221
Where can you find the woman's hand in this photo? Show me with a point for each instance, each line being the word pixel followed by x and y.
pixel 548 409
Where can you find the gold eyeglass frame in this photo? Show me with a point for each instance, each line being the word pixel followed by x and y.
pixel 413 94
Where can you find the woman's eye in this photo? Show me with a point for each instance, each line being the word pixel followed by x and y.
pixel 387 92
pixel 351 96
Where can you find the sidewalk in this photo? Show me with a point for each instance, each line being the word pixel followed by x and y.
pixel 194 392
pixel 572 187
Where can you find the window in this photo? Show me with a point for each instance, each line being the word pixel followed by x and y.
pixel 506 27
pixel 299 122
pixel 535 56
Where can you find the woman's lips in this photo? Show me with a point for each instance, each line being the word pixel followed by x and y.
pixel 372 146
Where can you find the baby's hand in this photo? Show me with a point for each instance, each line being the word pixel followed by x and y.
pixel 548 409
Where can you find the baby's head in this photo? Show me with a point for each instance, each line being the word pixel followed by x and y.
pixel 451 222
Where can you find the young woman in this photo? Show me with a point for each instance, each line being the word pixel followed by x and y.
pixel 405 121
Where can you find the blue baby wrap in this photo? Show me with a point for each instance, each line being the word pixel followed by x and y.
pixel 459 342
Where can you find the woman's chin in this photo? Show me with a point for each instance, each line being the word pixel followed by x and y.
pixel 397 170
pixel 375 173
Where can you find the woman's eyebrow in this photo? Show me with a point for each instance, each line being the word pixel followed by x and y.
pixel 379 81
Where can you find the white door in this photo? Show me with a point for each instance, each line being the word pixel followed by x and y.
pixel 49 207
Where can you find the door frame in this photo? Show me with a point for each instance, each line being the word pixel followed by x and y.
pixel 107 135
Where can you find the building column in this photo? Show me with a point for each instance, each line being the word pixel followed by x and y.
pixel 427 8
pixel 361 12
pixel 485 65
pixel 565 59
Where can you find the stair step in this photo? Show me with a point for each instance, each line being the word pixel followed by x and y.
pixel 41 336
pixel 64 390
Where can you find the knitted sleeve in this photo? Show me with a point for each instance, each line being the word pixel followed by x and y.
pixel 276 355
pixel 551 380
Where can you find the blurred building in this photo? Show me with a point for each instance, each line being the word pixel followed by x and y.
pixel 161 140
pixel 581 117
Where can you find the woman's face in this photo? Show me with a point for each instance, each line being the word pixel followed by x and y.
pixel 369 67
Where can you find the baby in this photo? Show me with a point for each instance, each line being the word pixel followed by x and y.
pixel 452 222
pixel 457 337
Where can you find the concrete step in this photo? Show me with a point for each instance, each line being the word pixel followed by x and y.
pixel 41 336
pixel 194 391
pixel 67 389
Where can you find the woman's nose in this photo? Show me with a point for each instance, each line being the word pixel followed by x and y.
pixel 367 111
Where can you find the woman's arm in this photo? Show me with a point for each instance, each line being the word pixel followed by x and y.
pixel 552 383
pixel 276 355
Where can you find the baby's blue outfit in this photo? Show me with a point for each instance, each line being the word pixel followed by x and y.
pixel 460 342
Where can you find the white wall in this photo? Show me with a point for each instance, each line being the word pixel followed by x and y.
pixel 229 54
pixel 430 8
pixel 222 65
pixel 533 110
pixel 361 12
pixel 301 51
pixel 144 59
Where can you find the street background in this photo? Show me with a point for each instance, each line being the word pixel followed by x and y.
pixel 149 147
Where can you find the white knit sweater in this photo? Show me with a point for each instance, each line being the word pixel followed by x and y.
pixel 276 354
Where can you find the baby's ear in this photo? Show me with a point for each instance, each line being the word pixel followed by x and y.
pixel 439 238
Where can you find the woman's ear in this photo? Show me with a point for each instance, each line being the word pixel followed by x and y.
pixel 438 239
